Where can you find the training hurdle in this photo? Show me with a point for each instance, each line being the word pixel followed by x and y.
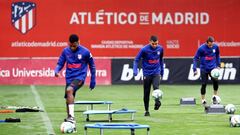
pixel 131 126
pixel 91 103
pixel 188 101
pixel 109 113
pixel 215 109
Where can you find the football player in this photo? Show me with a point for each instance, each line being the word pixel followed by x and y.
pixel 152 65
pixel 208 55
pixel 77 59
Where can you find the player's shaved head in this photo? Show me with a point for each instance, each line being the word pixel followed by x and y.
pixel 153 38
pixel 153 41
pixel 73 38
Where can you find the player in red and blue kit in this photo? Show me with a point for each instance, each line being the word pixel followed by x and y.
pixel 77 59
pixel 209 56
pixel 152 65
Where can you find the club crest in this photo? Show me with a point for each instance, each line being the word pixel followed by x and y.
pixel 214 50
pixel 79 56
pixel 23 16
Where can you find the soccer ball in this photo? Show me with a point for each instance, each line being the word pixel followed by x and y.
pixel 234 120
pixel 215 73
pixel 67 127
pixel 230 109
pixel 217 101
pixel 157 94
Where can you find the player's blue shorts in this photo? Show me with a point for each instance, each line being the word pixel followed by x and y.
pixel 75 84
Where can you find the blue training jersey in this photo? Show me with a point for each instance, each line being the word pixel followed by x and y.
pixel 209 58
pixel 152 60
pixel 76 64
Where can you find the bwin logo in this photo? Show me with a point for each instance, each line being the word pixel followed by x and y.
pixel 227 72
pixel 127 74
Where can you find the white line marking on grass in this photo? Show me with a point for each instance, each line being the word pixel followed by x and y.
pixel 44 115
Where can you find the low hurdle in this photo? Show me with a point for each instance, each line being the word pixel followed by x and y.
pixel 109 113
pixel 91 103
pixel 102 126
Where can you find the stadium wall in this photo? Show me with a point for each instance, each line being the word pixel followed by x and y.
pixel 110 27
pixel 109 71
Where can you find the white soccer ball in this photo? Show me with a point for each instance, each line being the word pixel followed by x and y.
pixel 234 120
pixel 67 127
pixel 157 94
pixel 215 73
pixel 230 109
pixel 218 99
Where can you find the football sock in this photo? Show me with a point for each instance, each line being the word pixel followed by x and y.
pixel 71 109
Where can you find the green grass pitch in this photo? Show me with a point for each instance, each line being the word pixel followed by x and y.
pixel 170 119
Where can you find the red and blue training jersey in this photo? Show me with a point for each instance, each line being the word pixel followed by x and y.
pixel 152 60
pixel 209 58
pixel 76 64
